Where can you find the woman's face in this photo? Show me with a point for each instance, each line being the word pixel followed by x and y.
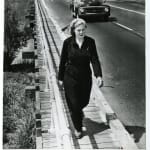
pixel 80 31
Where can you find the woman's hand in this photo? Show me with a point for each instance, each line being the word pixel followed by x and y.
pixel 99 81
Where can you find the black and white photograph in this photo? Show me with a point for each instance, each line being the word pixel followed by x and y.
pixel 74 74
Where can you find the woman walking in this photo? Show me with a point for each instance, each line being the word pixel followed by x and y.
pixel 77 53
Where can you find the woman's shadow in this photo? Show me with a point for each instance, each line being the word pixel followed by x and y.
pixel 92 128
pixel 136 132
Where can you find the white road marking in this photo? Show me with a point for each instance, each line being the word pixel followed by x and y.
pixel 127 28
pixel 123 26
pixel 133 11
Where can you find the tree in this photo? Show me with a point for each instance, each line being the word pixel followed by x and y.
pixel 14 38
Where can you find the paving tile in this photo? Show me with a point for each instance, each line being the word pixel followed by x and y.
pixel 45 106
pixel 109 145
pixel 84 140
pixel 48 111
pixel 86 146
pixel 49 144
pixel 46 116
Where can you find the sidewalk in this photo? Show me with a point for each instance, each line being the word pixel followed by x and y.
pixel 96 133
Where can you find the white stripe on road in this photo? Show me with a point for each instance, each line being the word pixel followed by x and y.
pixel 127 28
pixel 133 11
pixel 123 26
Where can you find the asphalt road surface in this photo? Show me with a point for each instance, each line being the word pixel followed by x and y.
pixel 121 48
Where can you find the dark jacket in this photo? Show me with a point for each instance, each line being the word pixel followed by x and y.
pixel 75 61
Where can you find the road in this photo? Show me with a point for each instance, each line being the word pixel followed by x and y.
pixel 122 55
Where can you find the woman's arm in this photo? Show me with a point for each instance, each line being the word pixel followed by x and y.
pixel 96 65
pixel 63 60
pixel 95 61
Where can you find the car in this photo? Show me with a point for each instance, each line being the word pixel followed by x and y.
pixel 89 8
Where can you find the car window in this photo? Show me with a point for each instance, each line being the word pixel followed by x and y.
pixel 88 2
pixel 91 2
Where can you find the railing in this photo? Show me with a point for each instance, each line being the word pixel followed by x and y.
pixel 64 132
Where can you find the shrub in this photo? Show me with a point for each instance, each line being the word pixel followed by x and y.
pixel 18 112
pixel 16 31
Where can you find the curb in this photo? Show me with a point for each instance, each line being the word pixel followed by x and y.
pixel 62 130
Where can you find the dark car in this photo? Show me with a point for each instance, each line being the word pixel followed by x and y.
pixel 89 8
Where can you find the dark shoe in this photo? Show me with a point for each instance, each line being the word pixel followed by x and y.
pixel 78 134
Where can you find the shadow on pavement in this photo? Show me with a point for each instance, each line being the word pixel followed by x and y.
pixel 111 19
pixel 136 131
pixel 95 19
pixel 93 127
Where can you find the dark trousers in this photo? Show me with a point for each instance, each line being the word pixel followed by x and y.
pixel 77 94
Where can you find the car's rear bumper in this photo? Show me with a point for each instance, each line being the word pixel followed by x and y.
pixel 94 14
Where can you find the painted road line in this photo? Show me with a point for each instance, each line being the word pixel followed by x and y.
pixel 123 26
pixel 129 29
pixel 133 11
